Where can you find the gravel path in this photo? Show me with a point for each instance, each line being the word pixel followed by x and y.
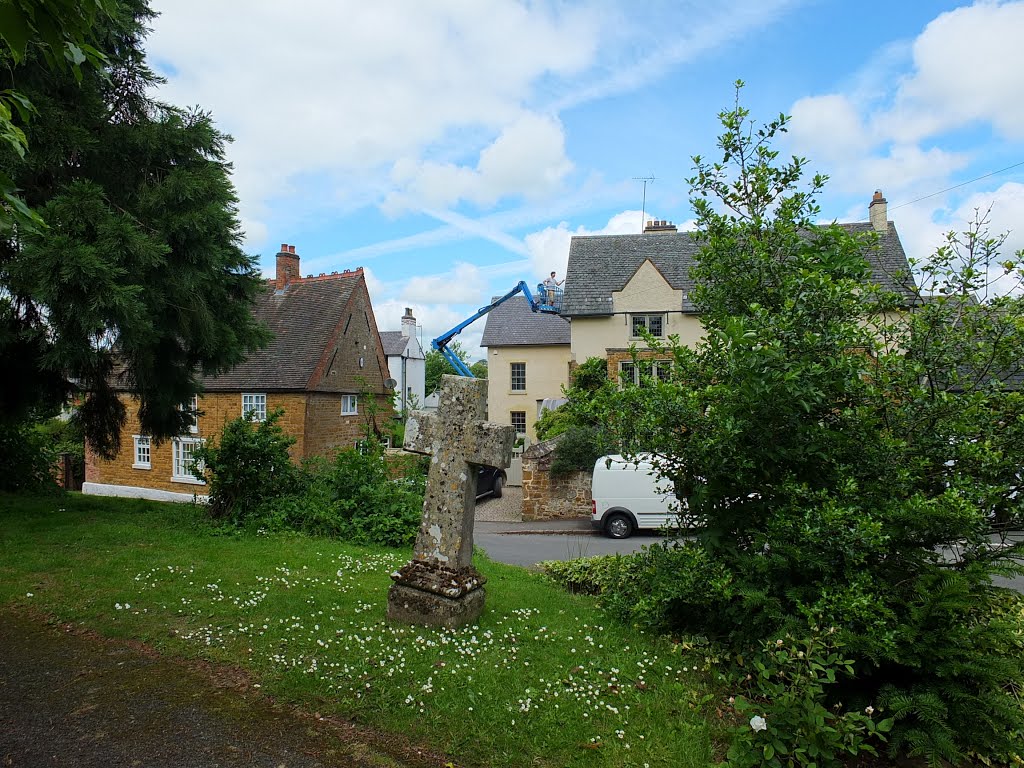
pixel 507 509
pixel 73 699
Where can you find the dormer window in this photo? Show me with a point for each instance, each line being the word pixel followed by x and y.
pixel 653 324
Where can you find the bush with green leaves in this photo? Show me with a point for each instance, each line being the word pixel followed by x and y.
pixel 358 495
pixel 849 454
pixel 786 718
pixel 248 465
pixel 27 456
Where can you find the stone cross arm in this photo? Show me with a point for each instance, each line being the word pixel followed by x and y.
pixel 482 442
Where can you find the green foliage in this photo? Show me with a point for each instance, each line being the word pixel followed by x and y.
pixel 359 496
pixel 59 33
pixel 65 436
pixel 435 366
pixel 248 466
pixel 578 449
pixel 590 384
pixel 851 458
pixel 784 708
pixel 479 369
pixel 27 456
pixel 139 277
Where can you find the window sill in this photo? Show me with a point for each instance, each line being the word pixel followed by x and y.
pixel 517 392
pixel 187 480
pixel 142 466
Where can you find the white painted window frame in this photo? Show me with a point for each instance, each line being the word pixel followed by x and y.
pixel 350 405
pixel 513 379
pixel 646 316
pixel 140 442
pixel 176 458
pixel 257 404
pixel 512 421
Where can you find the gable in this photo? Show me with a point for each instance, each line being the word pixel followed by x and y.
pixel 647 290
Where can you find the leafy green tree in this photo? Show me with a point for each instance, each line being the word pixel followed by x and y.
pixel 849 455
pixel 58 31
pixel 436 366
pixel 479 369
pixel 138 281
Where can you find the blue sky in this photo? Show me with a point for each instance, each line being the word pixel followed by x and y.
pixel 452 147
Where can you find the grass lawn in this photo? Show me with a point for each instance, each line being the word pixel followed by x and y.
pixel 542 680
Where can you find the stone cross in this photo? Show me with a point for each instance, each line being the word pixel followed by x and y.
pixel 440 586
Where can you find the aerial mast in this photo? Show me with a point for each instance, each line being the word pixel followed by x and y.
pixel 643 203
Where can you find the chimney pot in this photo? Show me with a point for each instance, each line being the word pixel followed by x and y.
pixel 287 267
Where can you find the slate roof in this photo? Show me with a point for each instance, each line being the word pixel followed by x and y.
pixel 515 324
pixel 393 342
pixel 602 264
pixel 303 318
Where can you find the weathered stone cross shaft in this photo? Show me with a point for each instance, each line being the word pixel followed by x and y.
pixel 440 585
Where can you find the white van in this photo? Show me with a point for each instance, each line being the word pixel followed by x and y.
pixel 628 495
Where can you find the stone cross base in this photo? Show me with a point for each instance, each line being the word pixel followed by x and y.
pixel 426 593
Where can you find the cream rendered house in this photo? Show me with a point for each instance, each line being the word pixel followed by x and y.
pixel 527 363
pixel 616 284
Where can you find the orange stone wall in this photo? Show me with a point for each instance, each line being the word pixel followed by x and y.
pixel 215 410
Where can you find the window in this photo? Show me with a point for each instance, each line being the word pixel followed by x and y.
pixel 349 405
pixel 142 454
pixel 182 471
pixel 518 377
pixel 256 405
pixel 640 372
pixel 655 325
pixel 519 421
pixel 192 406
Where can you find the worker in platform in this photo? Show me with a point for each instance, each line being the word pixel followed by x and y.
pixel 550 286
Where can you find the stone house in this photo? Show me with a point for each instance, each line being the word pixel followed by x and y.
pixel 324 361
pixel 406 363
pixel 527 363
pixel 617 284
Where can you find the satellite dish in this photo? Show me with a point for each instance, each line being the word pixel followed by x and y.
pixel 390 383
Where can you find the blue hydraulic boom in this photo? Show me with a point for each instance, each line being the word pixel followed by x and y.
pixel 548 301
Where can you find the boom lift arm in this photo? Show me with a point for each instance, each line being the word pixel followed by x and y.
pixel 550 305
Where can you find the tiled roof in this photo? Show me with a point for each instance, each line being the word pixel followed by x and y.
pixel 303 318
pixel 602 264
pixel 394 342
pixel 515 324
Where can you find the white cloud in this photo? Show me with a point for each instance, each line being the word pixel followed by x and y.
pixel 462 285
pixel 527 159
pixel 348 87
pixel 969 66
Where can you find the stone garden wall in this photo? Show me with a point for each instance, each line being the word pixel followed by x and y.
pixel 547 496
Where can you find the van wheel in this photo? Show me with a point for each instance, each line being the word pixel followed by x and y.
pixel 499 481
pixel 619 526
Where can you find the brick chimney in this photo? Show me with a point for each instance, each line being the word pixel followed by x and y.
pixel 408 324
pixel 287 266
pixel 658 227
pixel 878 211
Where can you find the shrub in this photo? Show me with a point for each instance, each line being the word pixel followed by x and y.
pixel 248 465
pixel 27 457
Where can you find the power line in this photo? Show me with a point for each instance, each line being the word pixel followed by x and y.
pixel 957 186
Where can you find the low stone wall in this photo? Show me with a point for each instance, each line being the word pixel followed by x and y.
pixel 548 497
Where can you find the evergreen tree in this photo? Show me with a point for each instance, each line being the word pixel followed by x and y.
pixel 138 280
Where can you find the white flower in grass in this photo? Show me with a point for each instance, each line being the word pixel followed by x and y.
pixel 758 723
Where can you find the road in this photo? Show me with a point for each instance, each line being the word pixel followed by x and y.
pixel 527 543
pixel 530 543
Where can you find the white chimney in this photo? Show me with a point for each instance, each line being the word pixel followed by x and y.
pixel 408 324
pixel 878 211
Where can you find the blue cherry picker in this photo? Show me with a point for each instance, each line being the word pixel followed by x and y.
pixel 548 301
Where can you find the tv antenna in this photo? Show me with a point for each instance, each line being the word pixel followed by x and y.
pixel 643 204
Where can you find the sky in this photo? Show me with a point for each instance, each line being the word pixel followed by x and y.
pixel 452 148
